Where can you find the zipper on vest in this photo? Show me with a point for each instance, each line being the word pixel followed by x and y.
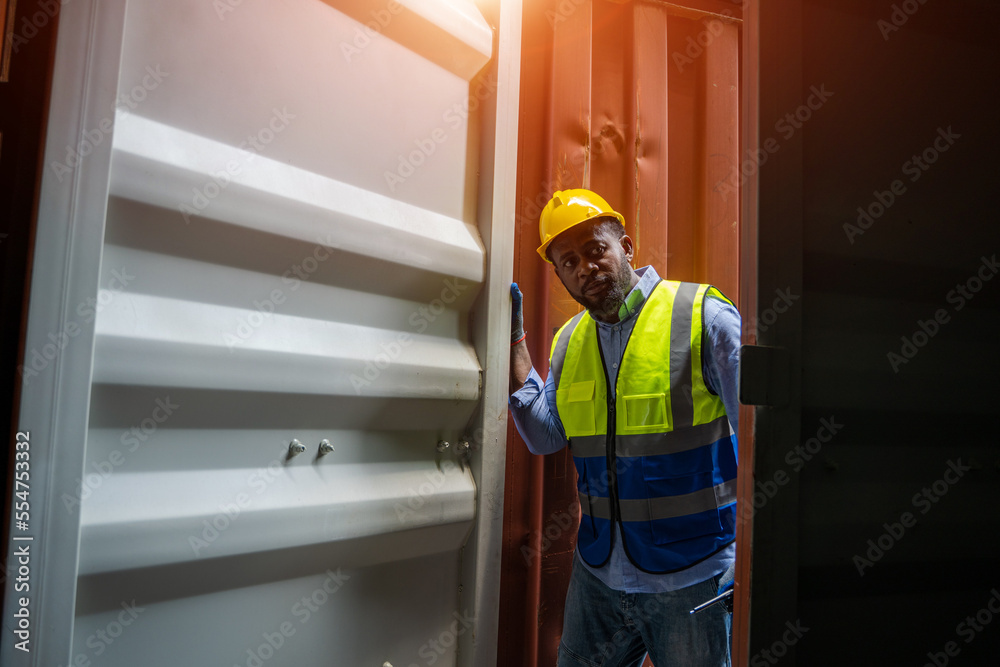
pixel 610 448
pixel 612 472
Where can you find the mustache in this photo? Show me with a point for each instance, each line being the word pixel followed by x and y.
pixel 594 281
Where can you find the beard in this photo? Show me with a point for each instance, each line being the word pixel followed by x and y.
pixel 606 305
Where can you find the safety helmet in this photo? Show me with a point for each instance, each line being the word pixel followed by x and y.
pixel 568 208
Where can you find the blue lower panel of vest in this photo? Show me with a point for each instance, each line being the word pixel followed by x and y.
pixel 665 545
pixel 716 461
pixel 664 475
pixel 661 545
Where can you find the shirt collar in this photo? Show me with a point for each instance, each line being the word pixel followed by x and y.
pixel 648 279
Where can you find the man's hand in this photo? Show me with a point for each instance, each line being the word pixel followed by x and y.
pixel 520 360
pixel 516 316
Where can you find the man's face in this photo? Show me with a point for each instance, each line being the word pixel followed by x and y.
pixel 592 262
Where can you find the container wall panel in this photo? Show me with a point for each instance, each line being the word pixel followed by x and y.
pixel 249 200
pixel 618 101
pixel 293 253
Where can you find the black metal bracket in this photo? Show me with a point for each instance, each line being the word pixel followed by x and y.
pixel 764 375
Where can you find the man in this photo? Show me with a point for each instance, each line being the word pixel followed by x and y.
pixel 642 387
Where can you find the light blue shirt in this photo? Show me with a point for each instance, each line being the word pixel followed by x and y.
pixel 533 407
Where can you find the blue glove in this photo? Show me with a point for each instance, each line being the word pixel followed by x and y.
pixel 516 316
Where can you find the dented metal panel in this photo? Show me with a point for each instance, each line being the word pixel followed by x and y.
pixel 640 102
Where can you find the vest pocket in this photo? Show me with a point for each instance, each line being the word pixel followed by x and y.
pixel 645 410
pixel 577 414
pixel 689 478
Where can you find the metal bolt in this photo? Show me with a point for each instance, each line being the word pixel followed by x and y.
pixel 386 664
pixel 295 447
pixel 443 446
pixel 462 448
pixel 325 447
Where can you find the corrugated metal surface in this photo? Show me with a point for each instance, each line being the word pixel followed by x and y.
pixel 300 198
pixel 641 102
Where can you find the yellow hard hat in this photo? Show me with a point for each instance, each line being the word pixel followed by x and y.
pixel 568 208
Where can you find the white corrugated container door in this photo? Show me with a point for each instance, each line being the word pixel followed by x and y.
pixel 306 219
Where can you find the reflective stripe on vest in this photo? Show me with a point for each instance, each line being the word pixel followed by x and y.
pixel 674 458
pixel 662 508
pixel 653 444
pixel 558 355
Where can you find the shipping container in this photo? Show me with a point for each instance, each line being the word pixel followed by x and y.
pixel 256 259
pixel 263 398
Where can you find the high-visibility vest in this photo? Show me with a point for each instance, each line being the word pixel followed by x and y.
pixel 660 460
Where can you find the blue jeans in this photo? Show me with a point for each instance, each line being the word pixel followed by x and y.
pixel 603 627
